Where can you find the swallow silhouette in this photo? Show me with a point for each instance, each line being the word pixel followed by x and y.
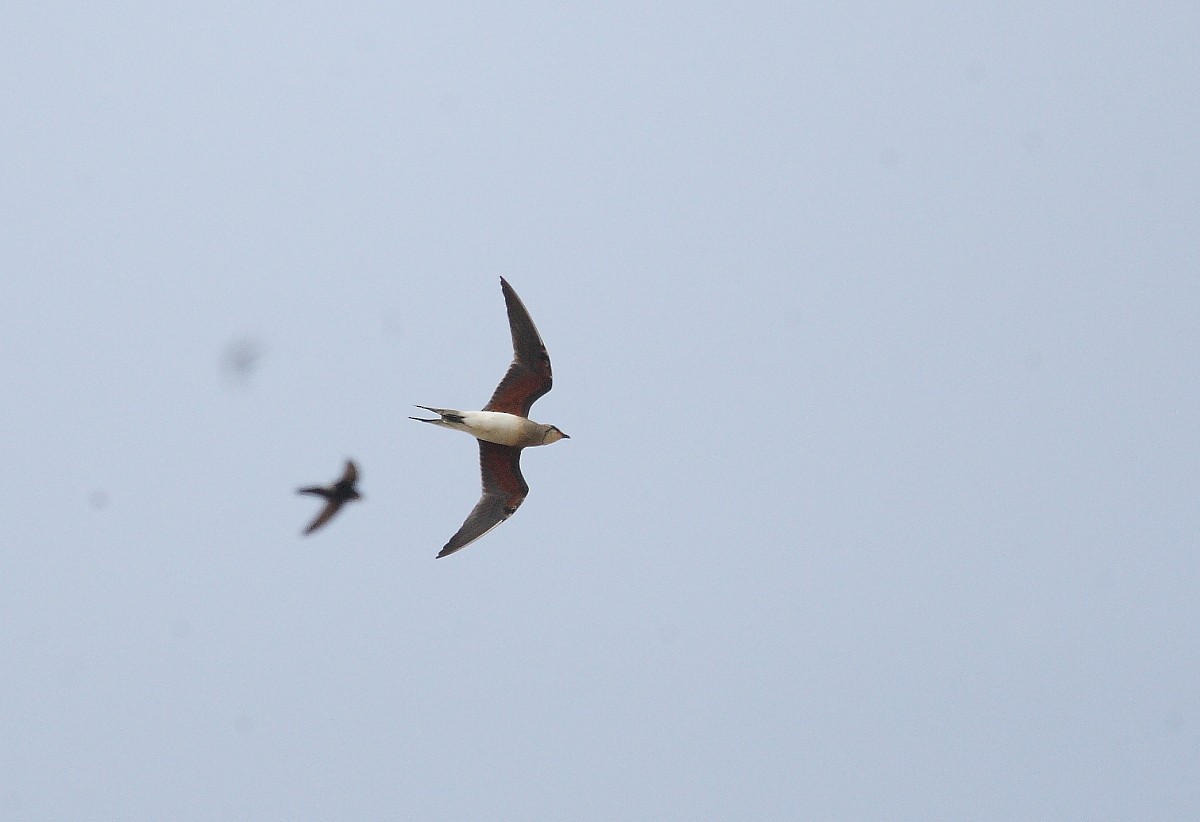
pixel 335 495
pixel 503 427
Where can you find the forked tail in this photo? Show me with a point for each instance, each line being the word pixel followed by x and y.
pixel 444 415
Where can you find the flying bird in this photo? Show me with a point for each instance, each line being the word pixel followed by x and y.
pixel 335 495
pixel 503 427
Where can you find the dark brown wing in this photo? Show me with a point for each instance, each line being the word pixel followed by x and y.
pixel 326 514
pixel 529 375
pixel 504 490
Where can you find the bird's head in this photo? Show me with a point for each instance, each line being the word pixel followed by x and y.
pixel 553 435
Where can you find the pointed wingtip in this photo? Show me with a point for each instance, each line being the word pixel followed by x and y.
pixel 450 548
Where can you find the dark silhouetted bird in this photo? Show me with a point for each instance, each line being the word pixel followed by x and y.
pixel 335 495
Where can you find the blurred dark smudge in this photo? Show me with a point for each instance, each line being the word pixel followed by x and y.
pixel 241 359
pixel 98 499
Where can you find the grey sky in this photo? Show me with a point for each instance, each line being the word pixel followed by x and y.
pixel 874 327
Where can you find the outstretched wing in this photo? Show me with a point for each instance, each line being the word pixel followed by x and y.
pixel 326 514
pixel 504 490
pixel 529 375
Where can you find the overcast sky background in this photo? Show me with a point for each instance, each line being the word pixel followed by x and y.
pixel 874 326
